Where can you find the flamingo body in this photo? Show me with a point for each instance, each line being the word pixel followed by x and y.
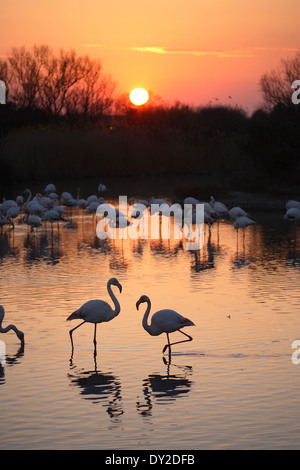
pixel 291 204
pixel 243 222
pixel 167 321
pixel 292 214
pixel 218 207
pixel 93 311
pixel 236 212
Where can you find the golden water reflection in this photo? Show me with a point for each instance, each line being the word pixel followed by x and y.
pixel 256 245
pixel 242 293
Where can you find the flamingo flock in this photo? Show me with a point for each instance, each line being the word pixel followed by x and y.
pixel 37 210
pixel 50 207
pixel 47 207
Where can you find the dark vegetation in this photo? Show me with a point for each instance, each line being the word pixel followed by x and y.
pixel 61 122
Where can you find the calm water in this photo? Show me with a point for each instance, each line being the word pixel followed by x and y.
pixel 233 387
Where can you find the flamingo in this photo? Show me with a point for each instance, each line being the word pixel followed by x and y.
pixel 191 200
pixel 12 212
pixel 33 221
pixel 19 333
pixel 236 212
pixel 6 205
pixel 243 222
pixel 51 216
pixel 50 188
pixel 102 188
pixel 132 201
pixel 97 311
pixel 164 321
pixel 291 204
pixel 65 196
pixel 20 200
pixel 92 198
pixel 82 203
pixel 292 214
pixel 218 207
pixel 159 201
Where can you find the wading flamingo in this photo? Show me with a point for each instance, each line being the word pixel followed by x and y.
pixel 19 333
pixel 164 321
pixel 97 311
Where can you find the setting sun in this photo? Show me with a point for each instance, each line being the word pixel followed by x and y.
pixel 139 96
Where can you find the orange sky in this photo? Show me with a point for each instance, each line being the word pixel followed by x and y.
pixel 193 51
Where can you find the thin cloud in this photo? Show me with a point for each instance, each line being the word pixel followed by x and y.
pixel 233 53
pixel 229 53
pixel 94 45
pixel 200 52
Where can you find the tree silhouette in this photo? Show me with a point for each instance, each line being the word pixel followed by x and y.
pixel 276 85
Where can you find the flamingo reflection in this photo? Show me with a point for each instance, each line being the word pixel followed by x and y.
pixel 164 389
pixel 8 360
pixel 99 387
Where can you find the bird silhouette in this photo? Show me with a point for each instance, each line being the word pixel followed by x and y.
pixel 164 321
pixel 97 311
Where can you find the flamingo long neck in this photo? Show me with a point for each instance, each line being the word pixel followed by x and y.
pixel 145 318
pixel 114 299
pixel 8 328
pixel 29 195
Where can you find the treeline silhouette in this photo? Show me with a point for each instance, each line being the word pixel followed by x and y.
pixel 61 122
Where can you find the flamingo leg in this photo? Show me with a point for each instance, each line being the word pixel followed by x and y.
pixel 95 341
pixel 167 345
pixel 177 342
pixel 70 333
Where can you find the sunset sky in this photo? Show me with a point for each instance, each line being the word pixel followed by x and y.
pixel 191 51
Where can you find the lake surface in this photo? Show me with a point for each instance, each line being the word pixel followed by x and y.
pixel 233 387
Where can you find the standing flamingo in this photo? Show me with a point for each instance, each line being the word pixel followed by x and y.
pixel 164 321
pixel 19 333
pixel 97 311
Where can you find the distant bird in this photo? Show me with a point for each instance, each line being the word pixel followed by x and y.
pixel 82 203
pixel 292 214
pixel 102 188
pixel 159 201
pixel 92 208
pixel 12 212
pixel 65 196
pixel 218 207
pixel 50 188
pixel 243 222
pixel 191 200
pixel 97 311
pixel 20 200
pixel 51 216
pixel 164 321
pixel 33 221
pixel 236 212
pixel 19 333
pixel 6 205
pixel 92 198
pixel 291 203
